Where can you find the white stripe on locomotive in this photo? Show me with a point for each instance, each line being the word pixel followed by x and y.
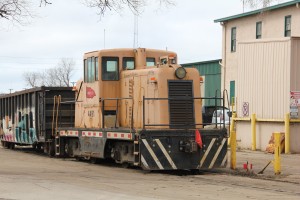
pixel 207 151
pixel 152 154
pixel 72 133
pixel 144 162
pixel 217 154
pixel 224 160
pixel 166 153
pixel 92 134
pixel 117 135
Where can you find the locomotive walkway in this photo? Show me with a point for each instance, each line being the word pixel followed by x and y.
pixel 290 166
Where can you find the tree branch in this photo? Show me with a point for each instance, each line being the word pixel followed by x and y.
pixel 45 2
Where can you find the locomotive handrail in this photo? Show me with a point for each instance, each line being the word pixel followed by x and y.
pixel 100 99
pixel 56 105
pixel 181 98
pixel 69 102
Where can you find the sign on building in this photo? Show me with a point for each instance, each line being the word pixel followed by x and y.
pixel 245 109
pixel 294 104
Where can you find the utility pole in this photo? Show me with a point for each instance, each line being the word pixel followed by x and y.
pixel 136 25
pixel 104 39
pixel 10 90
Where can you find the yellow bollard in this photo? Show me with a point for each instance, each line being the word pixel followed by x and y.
pixel 231 128
pixel 232 149
pixel 253 131
pixel 277 166
pixel 287 133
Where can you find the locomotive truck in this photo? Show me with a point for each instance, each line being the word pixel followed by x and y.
pixel 138 107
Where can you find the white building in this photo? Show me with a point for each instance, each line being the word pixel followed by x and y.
pixel 261 70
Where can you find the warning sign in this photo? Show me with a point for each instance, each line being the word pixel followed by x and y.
pixel 294 104
pixel 245 109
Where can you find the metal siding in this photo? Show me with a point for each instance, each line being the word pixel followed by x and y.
pixel 295 63
pixel 295 86
pixel 212 72
pixel 212 84
pixel 263 75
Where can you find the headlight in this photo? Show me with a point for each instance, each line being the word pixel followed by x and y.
pixel 180 72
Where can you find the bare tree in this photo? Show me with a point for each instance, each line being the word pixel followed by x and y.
pixel 57 76
pixel 31 78
pixel 61 74
pixel 259 3
pixel 64 71
pixel 51 78
pixel 18 10
pixel 21 10
pixel 118 5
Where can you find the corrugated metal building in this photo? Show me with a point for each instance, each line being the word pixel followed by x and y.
pixel 211 74
pixel 260 56
pixel 265 81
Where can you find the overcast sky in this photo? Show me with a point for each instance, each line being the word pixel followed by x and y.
pixel 67 29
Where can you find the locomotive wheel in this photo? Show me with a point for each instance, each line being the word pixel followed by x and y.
pixel 66 150
pixel 5 145
pixel 94 160
pixel 38 147
pixel 12 145
pixel 78 158
pixel 125 165
pixel 49 149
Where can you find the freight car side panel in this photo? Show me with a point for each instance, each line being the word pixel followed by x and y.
pixel 18 118
pixel 26 117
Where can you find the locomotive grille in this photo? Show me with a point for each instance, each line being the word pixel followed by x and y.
pixel 181 104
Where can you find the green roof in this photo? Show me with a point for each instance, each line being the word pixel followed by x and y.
pixel 202 62
pixel 290 3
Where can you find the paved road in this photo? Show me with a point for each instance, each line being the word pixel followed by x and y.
pixel 31 176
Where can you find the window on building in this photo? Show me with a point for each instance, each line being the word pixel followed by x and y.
pixel 150 62
pixel 233 39
pixel 258 30
pixel 287 26
pixel 110 68
pixel 232 92
pixel 128 63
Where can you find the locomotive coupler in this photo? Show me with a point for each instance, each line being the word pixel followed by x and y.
pixel 189 146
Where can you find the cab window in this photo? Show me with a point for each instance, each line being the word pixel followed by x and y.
pixel 91 70
pixel 150 62
pixel 110 68
pixel 85 70
pixel 128 63
pixel 96 69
